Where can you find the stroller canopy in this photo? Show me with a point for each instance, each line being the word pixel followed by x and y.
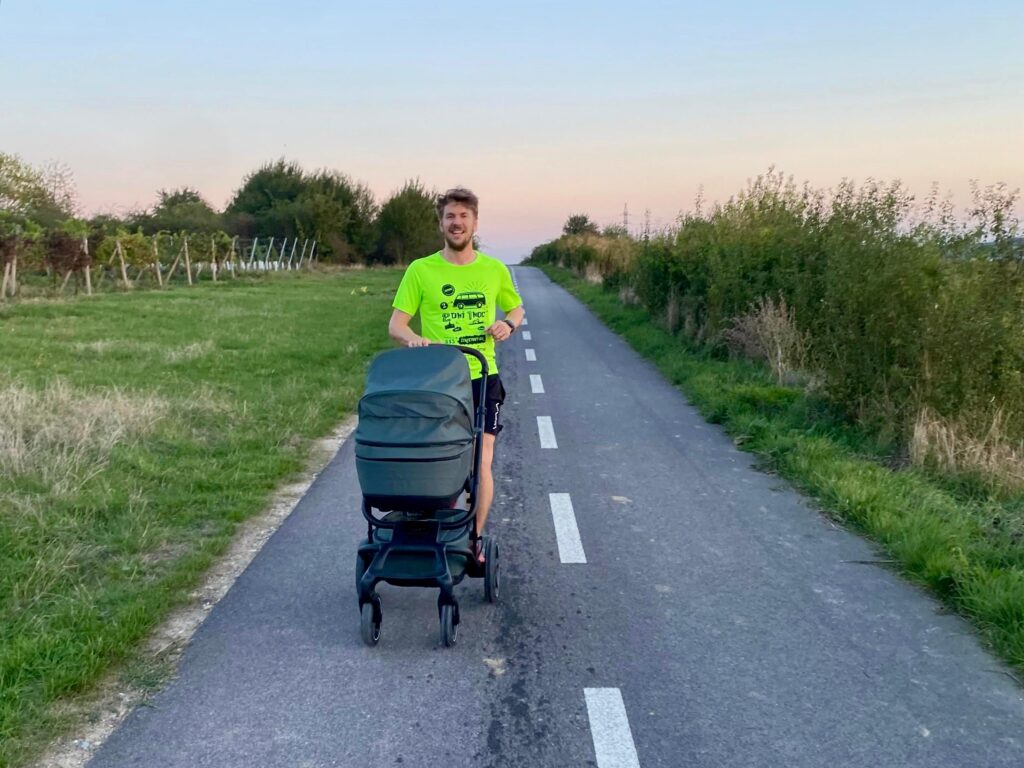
pixel 425 393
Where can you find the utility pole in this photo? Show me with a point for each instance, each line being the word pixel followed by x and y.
pixel 625 216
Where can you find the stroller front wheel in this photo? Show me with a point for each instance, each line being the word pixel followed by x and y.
pixel 369 622
pixel 492 573
pixel 449 629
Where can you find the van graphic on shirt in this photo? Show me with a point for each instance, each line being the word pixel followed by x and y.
pixel 470 299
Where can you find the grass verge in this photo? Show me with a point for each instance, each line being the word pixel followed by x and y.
pixel 946 533
pixel 136 431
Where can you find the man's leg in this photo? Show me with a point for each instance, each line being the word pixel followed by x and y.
pixel 485 488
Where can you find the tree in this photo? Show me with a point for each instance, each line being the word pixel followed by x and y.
pixel 579 224
pixel 279 199
pixel 43 196
pixel 407 225
pixel 339 213
pixel 180 210
pixel 265 203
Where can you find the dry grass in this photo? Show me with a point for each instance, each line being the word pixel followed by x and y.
pixel 189 351
pixel 769 332
pixel 114 346
pixel 953 447
pixel 62 436
pixel 592 274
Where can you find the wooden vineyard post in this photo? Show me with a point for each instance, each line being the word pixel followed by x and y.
pixel 14 275
pixel 174 266
pixel 110 263
pixel 124 270
pixel 312 252
pixel 188 262
pixel 235 260
pixel 156 261
pixel 291 255
pixel 252 253
pixel 213 258
pixel 303 254
pixel 87 266
pixel 8 254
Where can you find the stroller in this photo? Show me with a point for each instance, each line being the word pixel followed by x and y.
pixel 418 447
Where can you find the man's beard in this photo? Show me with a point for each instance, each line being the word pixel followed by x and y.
pixel 458 245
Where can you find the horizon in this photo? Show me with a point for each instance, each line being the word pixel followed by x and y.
pixel 568 112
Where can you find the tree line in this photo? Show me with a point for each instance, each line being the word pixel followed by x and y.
pixel 279 199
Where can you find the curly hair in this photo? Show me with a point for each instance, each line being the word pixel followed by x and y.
pixel 457 195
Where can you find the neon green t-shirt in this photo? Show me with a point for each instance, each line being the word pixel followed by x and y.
pixel 457 302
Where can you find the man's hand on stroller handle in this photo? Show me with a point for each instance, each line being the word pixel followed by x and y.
pixel 417 341
pixel 399 330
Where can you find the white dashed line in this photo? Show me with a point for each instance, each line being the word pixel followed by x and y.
pixel 531 355
pixel 536 384
pixel 524 321
pixel 609 727
pixel 547 432
pixel 567 533
pixel 527 336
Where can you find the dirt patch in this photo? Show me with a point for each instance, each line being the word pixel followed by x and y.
pixel 101 711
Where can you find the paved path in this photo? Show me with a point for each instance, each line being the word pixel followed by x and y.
pixel 664 604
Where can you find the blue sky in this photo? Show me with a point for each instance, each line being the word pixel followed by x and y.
pixel 543 108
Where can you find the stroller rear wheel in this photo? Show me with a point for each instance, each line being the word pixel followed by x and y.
pixel 369 621
pixel 492 572
pixel 449 628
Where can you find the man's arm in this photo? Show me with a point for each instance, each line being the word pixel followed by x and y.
pixel 500 330
pixel 516 315
pixel 399 330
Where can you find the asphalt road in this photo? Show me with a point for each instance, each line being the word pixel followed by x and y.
pixel 717 620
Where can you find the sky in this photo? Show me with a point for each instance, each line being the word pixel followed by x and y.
pixel 544 109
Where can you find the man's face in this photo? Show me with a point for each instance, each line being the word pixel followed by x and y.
pixel 458 224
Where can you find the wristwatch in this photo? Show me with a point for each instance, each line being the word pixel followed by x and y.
pixel 510 324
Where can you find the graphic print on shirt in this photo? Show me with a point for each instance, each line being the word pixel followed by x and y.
pixel 465 314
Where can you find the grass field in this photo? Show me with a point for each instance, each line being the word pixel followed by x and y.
pixel 947 533
pixel 136 431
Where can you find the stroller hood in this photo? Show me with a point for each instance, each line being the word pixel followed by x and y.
pixel 424 393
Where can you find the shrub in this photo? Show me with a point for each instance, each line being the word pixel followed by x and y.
pixel 892 310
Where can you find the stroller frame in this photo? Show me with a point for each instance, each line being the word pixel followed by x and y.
pixel 416 538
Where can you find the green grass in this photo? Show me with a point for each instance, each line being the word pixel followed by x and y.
pixel 946 533
pixel 136 432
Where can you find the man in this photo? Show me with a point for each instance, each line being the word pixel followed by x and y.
pixel 456 292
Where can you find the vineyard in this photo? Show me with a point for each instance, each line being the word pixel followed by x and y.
pixel 80 263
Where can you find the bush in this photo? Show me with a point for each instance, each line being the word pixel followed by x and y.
pixel 892 311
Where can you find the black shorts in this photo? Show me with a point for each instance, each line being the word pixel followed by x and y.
pixel 492 405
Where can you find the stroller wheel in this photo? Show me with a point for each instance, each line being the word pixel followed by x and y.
pixel 492 571
pixel 369 622
pixel 449 629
